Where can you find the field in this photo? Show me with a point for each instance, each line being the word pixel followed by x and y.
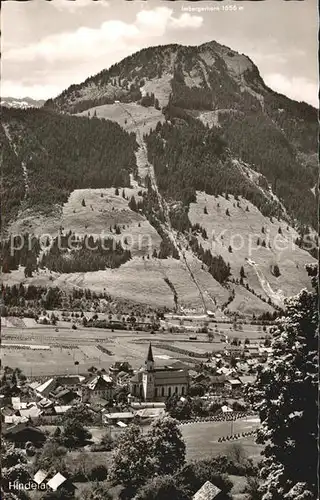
pixel 143 278
pixel 202 438
pixel 139 280
pixel 201 442
pixel 103 209
pixel 241 230
pixel 46 350
pixel 128 115
pixel 69 346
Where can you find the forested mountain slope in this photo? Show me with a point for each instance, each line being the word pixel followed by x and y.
pixel 276 136
pixel 196 143
pixel 47 155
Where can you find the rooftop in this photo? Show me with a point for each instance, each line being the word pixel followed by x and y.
pixel 56 481
pixel 208 491
pixel 40 476
pixel 99 381
pixel 15 429
pixel 119 415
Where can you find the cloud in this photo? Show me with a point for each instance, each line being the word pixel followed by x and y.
pixel 186 20
pixel 13 89
pixel 80 44
pixel 48 66
pixel 297 88
pixel 92 43
pixel 74 5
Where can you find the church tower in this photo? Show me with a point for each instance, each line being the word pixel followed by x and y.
pixel 149 362
pixel 148 377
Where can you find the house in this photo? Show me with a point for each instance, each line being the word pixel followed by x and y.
pixel 209 491
pixel 40 476
pixel 149 413
pixel 60 410
pixel 122 378
pixel 58 481
pixel 70 380
pixel 65 396
pixel 23 432
pixel 201 378
pixel 226 409
pixel 44 389
pixel 234 384
pixel 7 411
pixel 233 350
pixel 98 386
pixel 247 379
pixel 192 374
pixel 114 418
pixel 31 412
pixel 45 404
pixel 120 366
pixel 252 349
pixel 150 404
pixel 14 419
pixel 217 382
pixel 225 371
pixel 55 384
pixel 156 384
pixel 15 402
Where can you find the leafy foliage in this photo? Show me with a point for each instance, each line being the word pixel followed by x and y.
pixel 162 488
pixel 74 434
pixel 13 468
pixel 286 397
pixel 97 492
pixel 132 462
pixel 51 456
pixel 193 475
pixel 13 382
pixel 168 447
pixel 138 457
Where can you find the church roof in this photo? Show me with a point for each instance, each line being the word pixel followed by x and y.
pixel 170 377
pixel 164 377
pixel 150 354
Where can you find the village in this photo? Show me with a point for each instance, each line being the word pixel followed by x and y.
pixel 206 395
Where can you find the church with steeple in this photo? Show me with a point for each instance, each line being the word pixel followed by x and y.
pixel 156 384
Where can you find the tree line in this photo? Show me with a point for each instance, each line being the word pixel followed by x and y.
pixel 91 254
pixel 217 267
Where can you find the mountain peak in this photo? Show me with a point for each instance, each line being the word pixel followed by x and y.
pixel 21 102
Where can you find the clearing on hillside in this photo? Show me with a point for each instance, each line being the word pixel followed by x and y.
pixel 101 211
pixel 234 228
pixel 130 116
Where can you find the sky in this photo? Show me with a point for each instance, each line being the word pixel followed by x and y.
pixel 48 46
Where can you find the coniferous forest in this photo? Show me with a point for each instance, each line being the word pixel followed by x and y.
pixel 67 253
pixel 189 156
pixel 60 153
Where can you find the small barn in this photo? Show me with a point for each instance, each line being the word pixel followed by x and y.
pixel 23 432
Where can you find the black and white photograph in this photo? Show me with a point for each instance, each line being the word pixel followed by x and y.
pixel 159 250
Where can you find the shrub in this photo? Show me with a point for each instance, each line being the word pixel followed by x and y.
pixel 98 473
